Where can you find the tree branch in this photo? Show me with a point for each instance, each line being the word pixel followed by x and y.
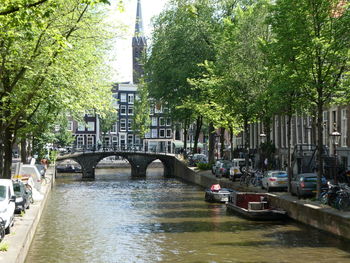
pixel 17 8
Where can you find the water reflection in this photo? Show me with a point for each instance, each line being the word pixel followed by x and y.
pixel 116 219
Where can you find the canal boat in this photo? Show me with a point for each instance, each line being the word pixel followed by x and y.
pixel 217 194
pixel 69 168
pixel 255 206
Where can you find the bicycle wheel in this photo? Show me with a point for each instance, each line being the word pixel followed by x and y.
pixel 324 198
pixel 242 180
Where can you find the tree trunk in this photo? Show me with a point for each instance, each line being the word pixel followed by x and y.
pixel 290 169
pixel 1 155
pixel 8 141
pixel 211 143
pixel 24 155
pixel 319 147
pixel 222 142
pixel 231 142
pixel 246 142
pixel 185 139
pixel 199 124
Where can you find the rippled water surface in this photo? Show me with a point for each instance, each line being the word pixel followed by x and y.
pixel 120 220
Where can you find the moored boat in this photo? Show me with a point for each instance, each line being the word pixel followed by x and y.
pixel 69 168
pixel 255 206
pixel 217 194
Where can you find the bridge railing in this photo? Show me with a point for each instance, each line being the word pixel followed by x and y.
pixel 115 148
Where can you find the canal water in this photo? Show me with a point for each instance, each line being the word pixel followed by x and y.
pixel 118 219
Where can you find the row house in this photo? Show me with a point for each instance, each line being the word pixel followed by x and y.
pixel 303 131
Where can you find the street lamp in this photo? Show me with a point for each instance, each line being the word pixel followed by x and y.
pixel 335 137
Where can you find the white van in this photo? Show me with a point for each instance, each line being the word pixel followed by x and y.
pixel 7 203
pixel 235 170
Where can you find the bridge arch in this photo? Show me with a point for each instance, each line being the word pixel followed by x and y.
pixel 138 161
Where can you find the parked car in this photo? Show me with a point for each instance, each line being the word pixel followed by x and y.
pixel 197 158
pixel 7 203
pixel 236 168
pixel 22 197
pixel 274 180
pixel 223 168
pixel 217 163
pixel 305 184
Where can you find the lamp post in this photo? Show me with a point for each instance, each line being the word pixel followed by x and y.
pixel 335 137
pixel 262 140
pixel 262 137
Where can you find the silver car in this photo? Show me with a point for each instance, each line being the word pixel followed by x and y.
pixel 275 179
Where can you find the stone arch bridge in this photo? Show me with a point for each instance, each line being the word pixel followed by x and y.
pixel 139 161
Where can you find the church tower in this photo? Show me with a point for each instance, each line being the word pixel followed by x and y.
pixel 139 45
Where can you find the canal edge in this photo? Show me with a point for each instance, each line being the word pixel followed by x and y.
pixel 25 227
pixel 325 219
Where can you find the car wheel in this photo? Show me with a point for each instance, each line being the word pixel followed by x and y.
pixel 8 229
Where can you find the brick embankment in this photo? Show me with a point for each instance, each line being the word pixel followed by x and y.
pixel 305 210
pixel 22 233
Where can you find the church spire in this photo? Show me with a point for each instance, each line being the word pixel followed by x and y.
pixel 138 24
pixel 139 46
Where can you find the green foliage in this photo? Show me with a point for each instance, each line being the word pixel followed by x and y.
pixel 4 247
pixel 204 166
pixel 142 120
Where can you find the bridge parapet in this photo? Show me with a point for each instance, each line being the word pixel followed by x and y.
pixel 139 161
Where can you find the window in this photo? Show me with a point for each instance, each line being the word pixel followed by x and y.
pixel 130 125
pixel 168 122
pixel 158 108
pixel 154 121
pixel 148 135
pixel 106 141
pixel 131 110
pixel 123 124
pixel 114 128
pixel 123 97
pixel 80 141
pixel 123 109
pixel 81 126
pixel 161 133
pixel 154 133
pixel 151 110
pixel 114 139
pixel 168 133
pixel 122 139
pixel 130 139
pixel 131 98
pixel 161 121
pixel 91 126
pixel 90 141
pixel 137 140
pixel 70 126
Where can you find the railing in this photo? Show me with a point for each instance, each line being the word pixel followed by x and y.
pixel 123 148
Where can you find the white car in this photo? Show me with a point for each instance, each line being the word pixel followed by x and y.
pixel 235 170
pixel 7 203
pixel 275 179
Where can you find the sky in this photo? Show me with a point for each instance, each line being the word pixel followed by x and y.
pixel 121 57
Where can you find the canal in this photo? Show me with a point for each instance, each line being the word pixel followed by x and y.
pixel 117 219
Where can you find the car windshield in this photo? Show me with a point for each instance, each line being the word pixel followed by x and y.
pixel 227 164
pixel 280 174
pixel 2 192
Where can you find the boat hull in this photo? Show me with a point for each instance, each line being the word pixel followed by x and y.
pixel 263 215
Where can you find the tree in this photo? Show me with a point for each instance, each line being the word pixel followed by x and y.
pixel 182 39
pixel 142 122
pixel 313 42
pixel 50 58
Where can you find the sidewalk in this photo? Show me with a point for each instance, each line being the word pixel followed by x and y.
pixel 24 228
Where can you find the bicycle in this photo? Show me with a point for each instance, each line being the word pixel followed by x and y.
pixel 30 193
